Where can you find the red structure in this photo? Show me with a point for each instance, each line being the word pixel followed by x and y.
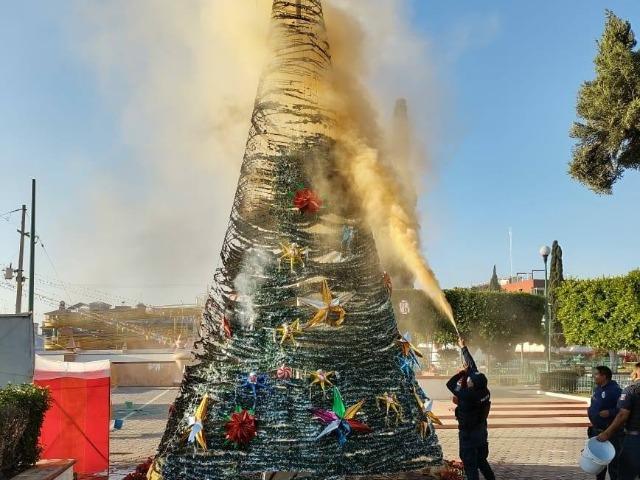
pixel 77 424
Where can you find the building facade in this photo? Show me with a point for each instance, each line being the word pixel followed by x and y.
pixel 100 326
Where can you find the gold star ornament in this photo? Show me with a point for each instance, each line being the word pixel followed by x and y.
pixel 321 378
pixel 427 417
pixel 292 254
pixel 330 312
pixel 392 405
pixel 288 332
pixel 195 432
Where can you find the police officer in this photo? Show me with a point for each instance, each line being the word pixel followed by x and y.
pixel 474 403
pixel 629 417
pixel 602 411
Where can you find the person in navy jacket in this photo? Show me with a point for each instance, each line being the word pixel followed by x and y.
pixel 473 401
pixel 602 411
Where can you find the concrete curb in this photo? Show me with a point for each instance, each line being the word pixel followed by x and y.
pixel 565 396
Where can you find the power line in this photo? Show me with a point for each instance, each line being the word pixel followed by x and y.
pixel 55 270
pixel 85 291
pixel 7 215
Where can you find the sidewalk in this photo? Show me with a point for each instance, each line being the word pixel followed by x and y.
pixel 531 436
pixel 529 453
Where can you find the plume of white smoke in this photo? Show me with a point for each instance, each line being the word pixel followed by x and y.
pixel 181 77
pixel 252 272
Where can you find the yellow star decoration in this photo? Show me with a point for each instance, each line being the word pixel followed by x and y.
pixel 427 416
pixel 390 401
pixel 320 377
pixel 289 331
pixel 353 410
pixel 407 347
pixel 329 310
pixel 292 254
pixel 196 431
pixel 424 428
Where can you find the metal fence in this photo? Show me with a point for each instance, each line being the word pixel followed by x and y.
pixel 567 376
pixel 572 382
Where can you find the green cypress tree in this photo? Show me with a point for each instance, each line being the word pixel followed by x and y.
pixel 556 277
pixel 494 283
pixel 608 133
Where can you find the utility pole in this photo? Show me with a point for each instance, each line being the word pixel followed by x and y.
pixel 32 238
pixel 20 271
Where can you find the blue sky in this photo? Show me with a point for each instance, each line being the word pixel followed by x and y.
pixel 513 81
pixel 511 71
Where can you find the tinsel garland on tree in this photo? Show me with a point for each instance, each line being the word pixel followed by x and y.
pixel 300 313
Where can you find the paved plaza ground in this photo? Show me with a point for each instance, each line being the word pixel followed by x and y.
pixel 545 450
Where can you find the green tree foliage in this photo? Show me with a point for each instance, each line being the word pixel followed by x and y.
pixel 609 107
pixel 495 321
pixel 602 313
pixel 494 284
pixel 556 277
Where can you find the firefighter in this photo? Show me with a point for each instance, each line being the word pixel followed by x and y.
pixel 473 401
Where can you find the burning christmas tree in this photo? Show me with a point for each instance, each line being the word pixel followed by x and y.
pixel 301 367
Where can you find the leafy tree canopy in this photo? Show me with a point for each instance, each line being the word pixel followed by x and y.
pixel 608 133
pixel 602 313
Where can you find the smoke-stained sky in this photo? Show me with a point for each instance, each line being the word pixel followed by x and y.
pixel 133 116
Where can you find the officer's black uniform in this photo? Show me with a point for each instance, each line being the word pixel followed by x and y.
pixel 629 466
pixel 472 411
pixel 606 398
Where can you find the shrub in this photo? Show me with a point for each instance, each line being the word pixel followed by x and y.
pixel 22 409
pixel 603 313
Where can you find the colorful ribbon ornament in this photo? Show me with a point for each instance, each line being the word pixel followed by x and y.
pixel 240 427
pixel 256 382
pixel 348 232
pixel 340 420
pixel 330 312
pixel 307 201
pixel 289 331
pixel 196 433
pixel 405 364
pixel 292 254
pixel 408 349
pixel 392 405
pixel 284 372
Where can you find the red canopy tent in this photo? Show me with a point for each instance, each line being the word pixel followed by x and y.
pixel 77 424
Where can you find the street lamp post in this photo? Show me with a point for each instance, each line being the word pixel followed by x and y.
pixel 544 253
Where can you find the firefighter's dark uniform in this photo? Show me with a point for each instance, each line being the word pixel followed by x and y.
pixel 472 411
pixel 629 465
